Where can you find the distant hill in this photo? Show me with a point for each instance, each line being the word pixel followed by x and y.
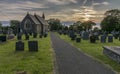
pixel 5 23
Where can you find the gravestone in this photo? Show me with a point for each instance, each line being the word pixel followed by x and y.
pixel 96 34
pixel 92 39
pixel 112 52
pixel 33 45
pixel 60 32
pixel 64 32
pixel 78 40
pixel 103 39
pixel 26 37
pixel 3 38
pixel 85 36
pixel 34 35
pixel 40 36
pixel 116 34
pixel 45 34
pixel 110 38
pixel 30 33
pixel 19 46
pixel 19 36
pixel 71 33
pixel 73 37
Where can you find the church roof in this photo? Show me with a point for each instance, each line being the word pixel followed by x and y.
pixel 38 20
pixel 41 20
pixel 34 19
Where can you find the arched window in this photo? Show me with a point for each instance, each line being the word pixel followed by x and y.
pixel 27 24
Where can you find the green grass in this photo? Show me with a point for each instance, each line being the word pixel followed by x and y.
pixel 40 62
pixel 95 50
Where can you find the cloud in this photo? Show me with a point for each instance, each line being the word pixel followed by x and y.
pixel 65 10
pixel 103 3
pixel 84 2
pixel 61 2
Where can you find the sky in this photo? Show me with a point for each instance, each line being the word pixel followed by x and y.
pixel 65 10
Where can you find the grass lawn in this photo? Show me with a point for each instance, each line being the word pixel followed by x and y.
pixel 40 62
pixel 95 50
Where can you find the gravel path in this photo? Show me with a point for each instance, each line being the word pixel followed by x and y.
pixel 71 61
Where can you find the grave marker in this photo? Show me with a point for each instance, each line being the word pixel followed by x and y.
pixel 19 46
pixel 33 45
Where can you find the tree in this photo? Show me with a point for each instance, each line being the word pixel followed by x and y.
pixel 96 29
pixel 71 27
pixel 14 24
pixel 87 25
pixel 55 24
pixel 66 28
pixel 77 26
pixel 111 20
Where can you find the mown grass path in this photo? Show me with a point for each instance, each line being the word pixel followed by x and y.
pixel 71 61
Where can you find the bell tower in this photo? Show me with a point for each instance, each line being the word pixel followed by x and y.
pixel 43 16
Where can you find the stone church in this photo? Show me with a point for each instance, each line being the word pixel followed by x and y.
pixel 34 24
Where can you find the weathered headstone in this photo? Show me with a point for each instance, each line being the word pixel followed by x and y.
pixel 19 46
pixel 33 45
pixel 78 40
pixel 96 34
pixel 19 36
pixel 73 37
pixel 92 39
pixel 26 37
pixel 85 36
pixel 3 38
pixel 30 33
pixel 45 34
pixel 34 35
pixel 40 36
pixel 103 39
pixel 110 38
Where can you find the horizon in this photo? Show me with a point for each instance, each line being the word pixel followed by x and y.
pixel 66 11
